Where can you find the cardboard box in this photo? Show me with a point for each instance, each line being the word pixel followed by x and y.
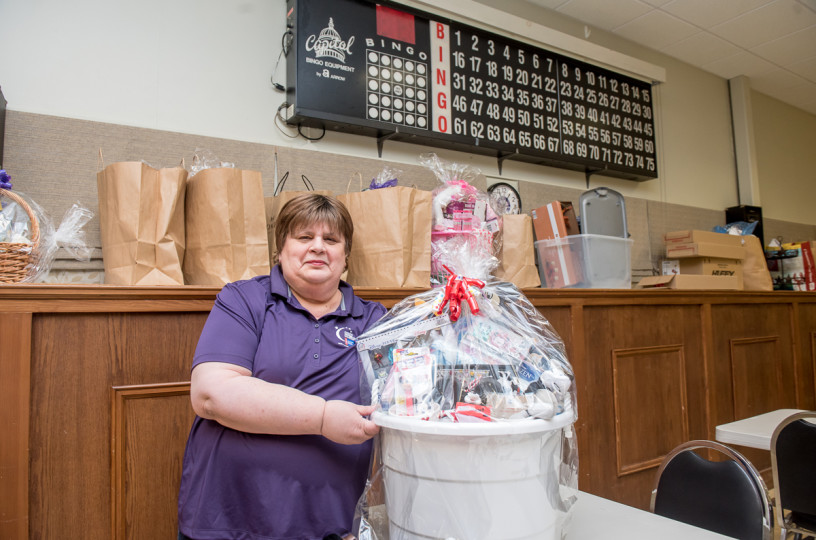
pixel 570 220
pixel 707 237
pixel 689 281
pixel 709 266
pixel 549 222
pixel 704 249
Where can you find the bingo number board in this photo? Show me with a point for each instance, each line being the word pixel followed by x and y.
pixel 390 72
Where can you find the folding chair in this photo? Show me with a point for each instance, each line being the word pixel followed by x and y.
pixel 727 497
pixel 793 459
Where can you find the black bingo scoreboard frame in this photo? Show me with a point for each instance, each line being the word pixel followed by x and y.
pixel 394 73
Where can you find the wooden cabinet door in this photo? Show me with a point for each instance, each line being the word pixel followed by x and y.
pixel 643 393
pixel 753 370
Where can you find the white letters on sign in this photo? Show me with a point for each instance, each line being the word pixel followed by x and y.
pixel 440 77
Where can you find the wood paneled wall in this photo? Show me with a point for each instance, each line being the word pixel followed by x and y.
pixel 94 405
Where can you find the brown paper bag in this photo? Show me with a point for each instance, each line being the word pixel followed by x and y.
pixel 226 227
pixel 392 237
pixel 274 204
pixel 141 220
pixel 756 276
pixel 517 253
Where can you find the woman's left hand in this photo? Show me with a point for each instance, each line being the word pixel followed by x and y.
pixel 345 423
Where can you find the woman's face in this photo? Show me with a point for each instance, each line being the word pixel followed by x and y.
pixel 313 255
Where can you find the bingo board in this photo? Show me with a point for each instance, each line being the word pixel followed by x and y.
pixel 394 73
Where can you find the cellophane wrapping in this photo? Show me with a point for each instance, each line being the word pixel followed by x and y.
pixel 460 210
pixel 476 401
pixel 16 227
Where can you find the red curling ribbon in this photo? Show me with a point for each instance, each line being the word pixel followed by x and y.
pixel 456 290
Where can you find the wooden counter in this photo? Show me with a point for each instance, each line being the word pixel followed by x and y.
pixel 94 407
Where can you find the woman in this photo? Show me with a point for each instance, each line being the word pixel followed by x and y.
pixel 280 446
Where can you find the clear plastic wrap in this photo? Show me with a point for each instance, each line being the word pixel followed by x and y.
pixel 70 236
pixel 387 177
pixel 476 400
pixel 737 228
pixel 36 228
pixel 206 159
pixel 15 226
pixel 459 211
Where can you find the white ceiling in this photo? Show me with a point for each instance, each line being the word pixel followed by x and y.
pixel 772 42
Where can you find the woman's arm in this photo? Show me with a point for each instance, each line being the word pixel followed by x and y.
pixel 228 394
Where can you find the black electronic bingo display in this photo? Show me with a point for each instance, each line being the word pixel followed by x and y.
pixel 391 72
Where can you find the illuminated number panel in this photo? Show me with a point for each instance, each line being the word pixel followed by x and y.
pixel 400 74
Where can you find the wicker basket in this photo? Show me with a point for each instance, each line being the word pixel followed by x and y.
pixel 16 258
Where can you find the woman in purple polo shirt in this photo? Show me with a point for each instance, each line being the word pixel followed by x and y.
pixel 280 446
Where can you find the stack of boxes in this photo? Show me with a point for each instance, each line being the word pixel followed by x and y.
pixel 700 260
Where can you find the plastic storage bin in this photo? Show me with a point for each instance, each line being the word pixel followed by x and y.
pixel 588 261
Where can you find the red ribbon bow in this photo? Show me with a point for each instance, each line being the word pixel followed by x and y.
pixel 458 289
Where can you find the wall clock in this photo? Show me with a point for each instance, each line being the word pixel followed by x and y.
pixel 504 199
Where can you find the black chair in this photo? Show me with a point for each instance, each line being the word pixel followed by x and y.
pixel 727 497
pixel 793 459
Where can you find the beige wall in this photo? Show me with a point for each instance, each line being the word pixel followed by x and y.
pixel 786 159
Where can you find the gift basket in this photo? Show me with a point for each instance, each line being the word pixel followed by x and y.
pixel 476 401
pixel 19 242
pixel 28 239
pixel 460 211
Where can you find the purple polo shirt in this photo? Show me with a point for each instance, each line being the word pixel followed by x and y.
pixel 245 486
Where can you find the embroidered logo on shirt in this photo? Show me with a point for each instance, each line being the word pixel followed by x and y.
pixel 345 337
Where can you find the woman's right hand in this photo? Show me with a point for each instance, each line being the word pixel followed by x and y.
pixel 346 423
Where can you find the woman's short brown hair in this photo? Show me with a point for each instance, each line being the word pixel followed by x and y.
pixel 308 209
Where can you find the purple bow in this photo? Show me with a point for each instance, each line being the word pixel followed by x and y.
pixel 5 179
pixel 388 183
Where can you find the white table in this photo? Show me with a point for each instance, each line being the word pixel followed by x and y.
pixel 596 518
pixel 755 431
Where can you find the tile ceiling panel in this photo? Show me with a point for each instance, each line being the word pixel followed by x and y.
pixel 656 30
pixel 765 24
pixel 701 48
pixel 790 49
pixel 587 11
pixel 708 13
pixel 776 80
pixel 773 42
pixel 805 68
pixel 742 63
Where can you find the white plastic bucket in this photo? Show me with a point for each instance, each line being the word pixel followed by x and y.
pixel 471 481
